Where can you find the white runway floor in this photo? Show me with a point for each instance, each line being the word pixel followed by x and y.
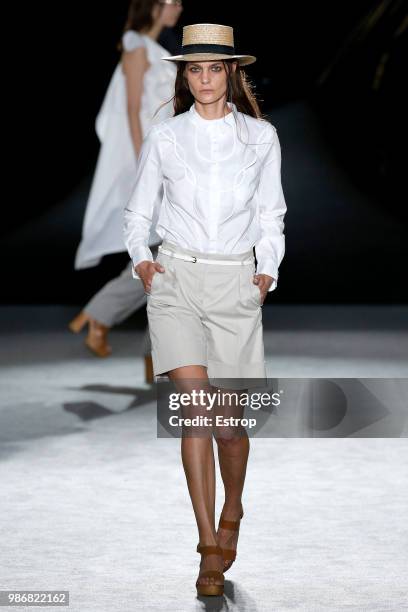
pixel 94 503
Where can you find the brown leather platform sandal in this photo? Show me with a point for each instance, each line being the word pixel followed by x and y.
pixel 97 338
pixel 229 554
pixel 210 589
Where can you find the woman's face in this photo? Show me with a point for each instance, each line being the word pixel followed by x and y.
pixel 207 80
pixel 167 14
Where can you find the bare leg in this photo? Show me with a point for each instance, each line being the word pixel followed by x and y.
pixel 199 466
pixel 233 451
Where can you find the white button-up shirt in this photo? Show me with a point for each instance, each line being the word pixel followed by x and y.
pixel 207 190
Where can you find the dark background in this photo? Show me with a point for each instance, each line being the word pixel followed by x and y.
pixel 329 75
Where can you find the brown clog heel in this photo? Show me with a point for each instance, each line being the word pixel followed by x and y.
pixel 210 589
pixel 97 338
pixel 78 322
pixel 229 554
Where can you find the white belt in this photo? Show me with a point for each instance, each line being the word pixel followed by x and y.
pixel 193 259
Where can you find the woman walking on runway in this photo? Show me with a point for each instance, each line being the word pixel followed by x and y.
pixel 219 161
pixel 140 84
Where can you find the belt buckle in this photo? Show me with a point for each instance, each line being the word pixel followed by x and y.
pixel 194 259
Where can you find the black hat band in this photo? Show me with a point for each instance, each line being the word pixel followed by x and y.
pixel 208 48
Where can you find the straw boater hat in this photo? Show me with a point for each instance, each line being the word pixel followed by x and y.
pixel 209 41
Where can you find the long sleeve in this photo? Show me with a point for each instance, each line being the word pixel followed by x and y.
pixel 270 249
pixel 139 210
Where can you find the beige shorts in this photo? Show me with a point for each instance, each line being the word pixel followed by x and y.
pixel 206 314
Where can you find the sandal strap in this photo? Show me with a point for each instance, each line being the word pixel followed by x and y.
pixel 231 525
pixel 209 549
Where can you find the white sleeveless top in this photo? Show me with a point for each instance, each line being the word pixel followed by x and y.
pixel 116 167
pixel 158 85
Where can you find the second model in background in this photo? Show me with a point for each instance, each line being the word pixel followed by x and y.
pixel 139 94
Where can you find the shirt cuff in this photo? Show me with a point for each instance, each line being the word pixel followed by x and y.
pixel 142 254
pixel 269 268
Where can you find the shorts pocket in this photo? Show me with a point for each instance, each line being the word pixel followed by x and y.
pixel 163 289
pixel 154 281
pixel 256 293
pixel 250 292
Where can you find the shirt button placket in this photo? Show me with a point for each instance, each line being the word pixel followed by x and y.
pixel 215 186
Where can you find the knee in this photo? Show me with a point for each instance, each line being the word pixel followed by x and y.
pixel 227 437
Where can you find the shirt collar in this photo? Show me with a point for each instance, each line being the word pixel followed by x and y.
pixel 209 123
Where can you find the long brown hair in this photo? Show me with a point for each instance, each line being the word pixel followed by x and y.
pixel 139 17
pixel 239 91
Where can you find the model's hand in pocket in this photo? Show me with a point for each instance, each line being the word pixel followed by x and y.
pixel 146 270
pixel 264 281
